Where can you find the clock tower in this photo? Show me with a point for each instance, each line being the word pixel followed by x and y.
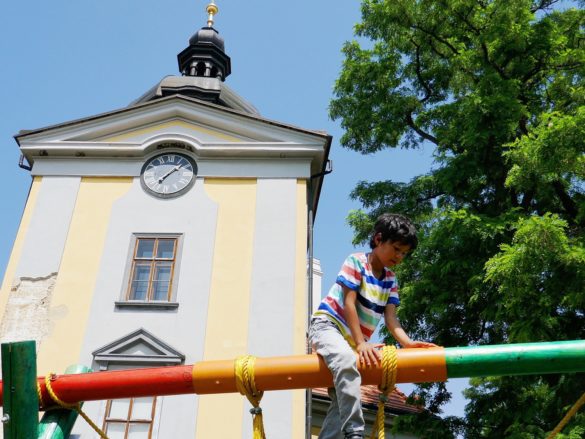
pixel 170 231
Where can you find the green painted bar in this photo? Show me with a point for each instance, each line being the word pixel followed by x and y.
pixel 21 400
pixel 58 423
pixel 516 359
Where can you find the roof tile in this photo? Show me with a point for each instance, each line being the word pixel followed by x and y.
pixel 396 400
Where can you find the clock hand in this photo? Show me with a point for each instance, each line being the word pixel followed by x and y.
pixel 176 168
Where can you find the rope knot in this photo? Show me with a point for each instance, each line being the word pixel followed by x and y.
pixel 52 377
pixel 246 385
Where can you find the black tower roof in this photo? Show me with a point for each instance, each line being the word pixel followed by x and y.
pixel 205 56
pixel 204 66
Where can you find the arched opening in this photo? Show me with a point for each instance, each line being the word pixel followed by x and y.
pixel 200 69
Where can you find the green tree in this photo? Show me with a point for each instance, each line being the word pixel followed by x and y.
pixel 497 88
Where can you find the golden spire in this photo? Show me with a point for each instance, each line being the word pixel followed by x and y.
pixel 211 9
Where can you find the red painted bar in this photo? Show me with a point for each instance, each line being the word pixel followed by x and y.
pixel 175 380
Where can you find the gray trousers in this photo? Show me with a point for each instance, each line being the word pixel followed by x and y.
pixel 344 418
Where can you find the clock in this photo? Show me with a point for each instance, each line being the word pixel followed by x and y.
pixel 168 175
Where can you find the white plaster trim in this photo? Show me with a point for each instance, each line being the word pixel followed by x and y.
pixel 208 149
pixel 130 167
pixel 115 352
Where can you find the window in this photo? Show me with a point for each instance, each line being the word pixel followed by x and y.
pixel 130 418
pixel 134 418
pixel 153 266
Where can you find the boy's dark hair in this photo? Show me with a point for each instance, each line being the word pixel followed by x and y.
pixel 395 227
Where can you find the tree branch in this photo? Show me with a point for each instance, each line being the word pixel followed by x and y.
pixel 568 204
pixel 428 90
pixel 423 134
pixel 523 124
pixel 569 66
pixel 436 37
pixel 497 68
pixel 429 197
pixel 441 55
pixel 465 19
pixel 532 72
pixel 437 51
pixel 527 199
pixel 543 4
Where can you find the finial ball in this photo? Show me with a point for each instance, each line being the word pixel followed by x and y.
pixel 212 8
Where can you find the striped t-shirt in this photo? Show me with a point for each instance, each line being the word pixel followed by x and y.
pixel 372 295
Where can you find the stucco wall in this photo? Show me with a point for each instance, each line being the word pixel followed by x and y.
pixel 240 284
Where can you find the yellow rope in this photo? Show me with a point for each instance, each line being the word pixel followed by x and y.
pixel 244 371
pixel 40 394
pixel 65 405
pixel 389 363
pixel 567 417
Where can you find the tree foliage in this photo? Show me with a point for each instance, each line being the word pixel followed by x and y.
pixel 497 88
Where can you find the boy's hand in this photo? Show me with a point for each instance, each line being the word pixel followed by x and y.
pixel 368 353
pixel 419 344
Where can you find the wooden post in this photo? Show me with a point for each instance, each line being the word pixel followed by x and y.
pixel 21 400
pixel 58 423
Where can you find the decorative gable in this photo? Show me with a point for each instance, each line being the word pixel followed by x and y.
pixel 138 348
pixel 198 132
pixel 209 129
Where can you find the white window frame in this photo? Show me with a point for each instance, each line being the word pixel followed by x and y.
pixel 171 303
pixel 133 421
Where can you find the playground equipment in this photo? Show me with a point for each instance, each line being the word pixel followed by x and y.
pixel 308 371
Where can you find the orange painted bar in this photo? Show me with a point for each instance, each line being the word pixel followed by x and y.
pixel 273 373
pixel 309 371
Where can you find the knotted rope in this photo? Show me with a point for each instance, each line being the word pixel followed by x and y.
pixel 567 417
pixel 69 406
pixel 244 371
pixel 389 363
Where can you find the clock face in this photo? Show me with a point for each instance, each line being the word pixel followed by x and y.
pixel 168 175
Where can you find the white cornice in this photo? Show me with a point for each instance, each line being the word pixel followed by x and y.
pixel 219 118
pixel 206 150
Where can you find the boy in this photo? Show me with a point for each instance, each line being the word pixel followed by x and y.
pixel 346 318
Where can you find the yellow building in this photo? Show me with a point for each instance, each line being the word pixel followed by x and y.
pixel 171 231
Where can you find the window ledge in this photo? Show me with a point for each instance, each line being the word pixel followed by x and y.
pixel 147 306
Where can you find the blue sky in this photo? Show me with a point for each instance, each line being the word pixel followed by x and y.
pixel 63 60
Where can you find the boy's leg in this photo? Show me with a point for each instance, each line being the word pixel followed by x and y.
pixel 341 361
pixel 331 428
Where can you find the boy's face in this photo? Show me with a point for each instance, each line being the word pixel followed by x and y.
pixel 390 253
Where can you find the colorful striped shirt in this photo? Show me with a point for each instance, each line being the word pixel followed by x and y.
pixel 372 295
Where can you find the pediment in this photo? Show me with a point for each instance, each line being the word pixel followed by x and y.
pixel 176 125
pixel 207 130
pixel 139 347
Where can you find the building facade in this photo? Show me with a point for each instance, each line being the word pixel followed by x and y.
pixel 168 232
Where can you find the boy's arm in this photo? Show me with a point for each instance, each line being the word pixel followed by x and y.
pixel 399 334
pixel 368 352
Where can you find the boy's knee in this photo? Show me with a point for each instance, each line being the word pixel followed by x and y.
pixel 346 360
